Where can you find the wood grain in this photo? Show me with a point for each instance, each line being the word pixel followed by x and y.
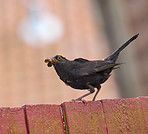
pixel 144 107
pixel 110 116
pixel 44 119
pixel 124 116
pixel 84 118
pixel 12 121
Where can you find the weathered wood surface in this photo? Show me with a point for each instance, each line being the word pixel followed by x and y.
pixel 84 118
pixel 12 121
pixel 124 116
pixel 44 119
pixel 144 107
pixel 110 116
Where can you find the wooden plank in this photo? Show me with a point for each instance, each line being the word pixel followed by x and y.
pixel 124 116
pixel 144 107
pixel 12 121
pixel 84 118
pixel 44 119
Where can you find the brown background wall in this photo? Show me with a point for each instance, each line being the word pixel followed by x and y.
pixel 25 79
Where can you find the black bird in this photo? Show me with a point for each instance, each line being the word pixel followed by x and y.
pixel 85 74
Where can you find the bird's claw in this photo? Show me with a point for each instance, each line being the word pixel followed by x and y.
pixel 84 101
pixel 76 99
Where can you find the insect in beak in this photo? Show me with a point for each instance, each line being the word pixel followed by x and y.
pixel 49 61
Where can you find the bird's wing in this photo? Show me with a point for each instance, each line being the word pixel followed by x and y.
pixel 81 60
pixel 92 67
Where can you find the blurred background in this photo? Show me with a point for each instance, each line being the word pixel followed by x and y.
pixel 31 30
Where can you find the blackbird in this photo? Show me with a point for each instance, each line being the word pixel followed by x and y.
pixel 84 74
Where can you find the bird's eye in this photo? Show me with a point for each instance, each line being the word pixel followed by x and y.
pixel 59 58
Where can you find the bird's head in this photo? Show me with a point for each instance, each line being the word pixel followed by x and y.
pixel 53 60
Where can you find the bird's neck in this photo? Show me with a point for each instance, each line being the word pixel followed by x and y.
pixel 60 69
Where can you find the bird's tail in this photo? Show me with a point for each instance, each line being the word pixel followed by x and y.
pixel 115 54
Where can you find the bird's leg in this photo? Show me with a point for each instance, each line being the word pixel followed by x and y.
pixel 91 89
pixel 98 89
pixel 80 98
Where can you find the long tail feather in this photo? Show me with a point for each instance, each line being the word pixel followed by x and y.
pixel 115 54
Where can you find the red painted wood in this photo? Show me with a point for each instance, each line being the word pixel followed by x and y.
pixel 124 116
pixel 84 118
pixel 144 106
pixel 44 119
pixel 12 121
pixel 117 116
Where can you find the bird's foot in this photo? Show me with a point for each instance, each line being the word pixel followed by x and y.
pixel 79 99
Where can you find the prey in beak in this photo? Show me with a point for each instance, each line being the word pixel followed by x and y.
pixel 49 61
pixel 52 61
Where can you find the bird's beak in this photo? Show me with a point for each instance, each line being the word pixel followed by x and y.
pixel 49 61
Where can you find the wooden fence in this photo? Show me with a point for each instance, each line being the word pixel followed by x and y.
pixel 109 116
